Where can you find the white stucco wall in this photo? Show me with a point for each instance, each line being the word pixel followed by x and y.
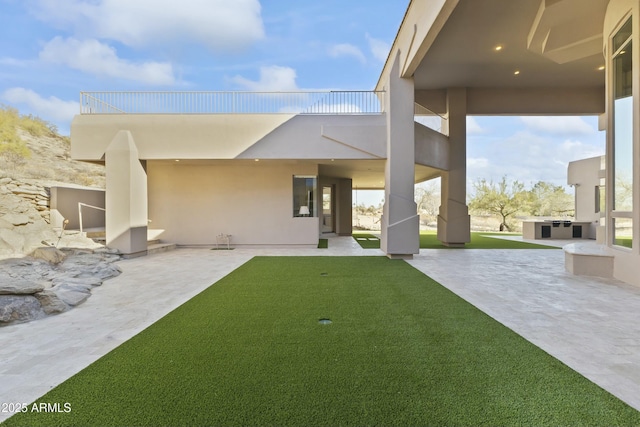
pixel 230 136
pixel 250 200
pixel 584 175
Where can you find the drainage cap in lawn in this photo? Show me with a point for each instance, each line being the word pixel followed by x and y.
pixel 324 321
pixel 324 274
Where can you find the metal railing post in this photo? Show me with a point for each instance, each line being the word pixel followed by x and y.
pixel 80 205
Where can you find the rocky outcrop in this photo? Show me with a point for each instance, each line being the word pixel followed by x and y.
pixel 37 279
pixel 37 195
pixel 19 308
pixel 33 287
pixel 24 220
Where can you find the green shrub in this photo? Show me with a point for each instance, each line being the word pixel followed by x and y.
pixel 10 142
pixel 11 146
pixel 35 126
pixel 31 124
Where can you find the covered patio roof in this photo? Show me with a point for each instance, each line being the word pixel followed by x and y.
pixel 365 174
pixel 514 57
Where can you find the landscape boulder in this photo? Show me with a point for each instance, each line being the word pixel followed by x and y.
pixel 11 286
pixel 58 280
pixel 51 302
pixel 19 308
pixel 71 295
pixel 50 254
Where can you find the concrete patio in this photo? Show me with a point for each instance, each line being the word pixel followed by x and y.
pixel 590 324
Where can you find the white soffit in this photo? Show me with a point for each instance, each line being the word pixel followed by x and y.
pixel 516 44
pixel 567 30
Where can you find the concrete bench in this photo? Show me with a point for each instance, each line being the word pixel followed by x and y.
pixel 588 259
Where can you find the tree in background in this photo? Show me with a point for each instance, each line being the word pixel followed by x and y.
pixel 503 199
pixel 427 198
pixel 507 199
pixel 546 199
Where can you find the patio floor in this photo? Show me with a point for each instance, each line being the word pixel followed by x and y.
pixel 590 324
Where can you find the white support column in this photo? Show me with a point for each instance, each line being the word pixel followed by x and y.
pixel 400 236
pixel 453 218
pixel 126 197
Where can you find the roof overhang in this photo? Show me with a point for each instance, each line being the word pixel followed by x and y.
pixel 515 54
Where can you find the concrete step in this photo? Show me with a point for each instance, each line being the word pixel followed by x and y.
pixel 154 248
pixel 96 233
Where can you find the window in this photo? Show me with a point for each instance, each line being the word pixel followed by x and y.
pixel 622 185
pixel 304 190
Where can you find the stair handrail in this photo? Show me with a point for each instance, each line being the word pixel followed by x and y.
pixel 80 205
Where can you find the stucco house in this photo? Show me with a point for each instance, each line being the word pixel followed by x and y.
pixel 195 164
pixel 587 177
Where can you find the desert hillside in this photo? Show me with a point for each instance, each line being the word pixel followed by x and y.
pixel 33 158
pixel 32 150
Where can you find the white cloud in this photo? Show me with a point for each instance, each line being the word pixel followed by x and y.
pixel 473 127
pixel 342 108
pixel 52 108
pixel 571 150
pixel 530 158
pixel 379 49
pixel 477 167
pixel 13 62
pixel 220 24
pixel 479 162
pixel 346 49
pixel 558 125
pixel 92 56
pixel 272 79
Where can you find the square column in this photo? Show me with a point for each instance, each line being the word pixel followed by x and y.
pixel 400 234
pixel 454 222
pixel 126 197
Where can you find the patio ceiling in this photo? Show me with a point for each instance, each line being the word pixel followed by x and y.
pixel 552 43
pixel 369 174
pixel 365 174
pixel 521 56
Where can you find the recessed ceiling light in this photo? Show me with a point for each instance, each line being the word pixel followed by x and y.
pixel 600 68
pixel 498 48
pixel 516 72
pixel 256 160
pixel 177 160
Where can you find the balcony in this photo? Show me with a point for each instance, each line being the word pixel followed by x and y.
pixel 328 102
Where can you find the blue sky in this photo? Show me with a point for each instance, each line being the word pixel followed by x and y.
pixel 50 50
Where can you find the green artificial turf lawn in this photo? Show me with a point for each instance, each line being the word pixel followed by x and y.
pixel 428 240
pixel 401 350
pixel 367 241
pixel 323 243
pixel 624 241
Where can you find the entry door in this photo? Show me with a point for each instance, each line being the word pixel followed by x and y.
pixel 328 210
